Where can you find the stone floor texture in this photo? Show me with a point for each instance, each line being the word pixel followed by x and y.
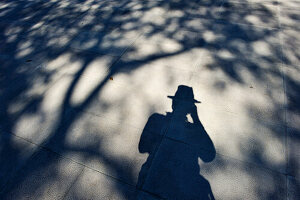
pixel 94 102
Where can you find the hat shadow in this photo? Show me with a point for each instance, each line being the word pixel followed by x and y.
pixel 184 93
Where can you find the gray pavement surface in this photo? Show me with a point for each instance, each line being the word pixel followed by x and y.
pixel 94 102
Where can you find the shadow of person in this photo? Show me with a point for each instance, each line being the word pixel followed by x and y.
pixel 174 146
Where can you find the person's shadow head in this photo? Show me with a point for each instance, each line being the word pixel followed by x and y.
pixel 174 145
pixel 184 93
pixel 183 102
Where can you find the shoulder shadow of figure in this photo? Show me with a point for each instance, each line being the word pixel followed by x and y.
pixel 174 146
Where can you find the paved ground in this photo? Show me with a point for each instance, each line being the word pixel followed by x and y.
pixel 80 79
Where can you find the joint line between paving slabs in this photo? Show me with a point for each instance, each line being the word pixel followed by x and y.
pixel 73 183
pixel 285 101
pixel 199 61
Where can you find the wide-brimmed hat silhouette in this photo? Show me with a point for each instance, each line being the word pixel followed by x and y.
pixel 184 93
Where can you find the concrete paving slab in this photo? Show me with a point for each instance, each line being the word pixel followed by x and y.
pixel 106 16
pixel 290 46
pixel 94 185
pixel 289 15
pixel 170 23
pixel 11 30
pixel 24 87
pixel 204 9
pixel 257 14
pixel 62 14
pixel 14 153
pixel 43 12
pixel 30 90
pixel 289 4
pixel 46 176
pixel 167 73
pixel 246 180
pixel 97 21
pixel 155 13
pixel 238 41
pixel 104 145
pixel 27 40
pixel 292 85
pixel 266 101
pixel 113 43
pixel 9 8
pixel 113 102
pixel 26 84
pixel 80 63
pixel 37 119
pixel 151 17
pixel 115 92
pixel 164 44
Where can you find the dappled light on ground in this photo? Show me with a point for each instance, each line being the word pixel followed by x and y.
pixel 80 79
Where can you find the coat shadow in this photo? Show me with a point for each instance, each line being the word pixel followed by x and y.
pixel 175 145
